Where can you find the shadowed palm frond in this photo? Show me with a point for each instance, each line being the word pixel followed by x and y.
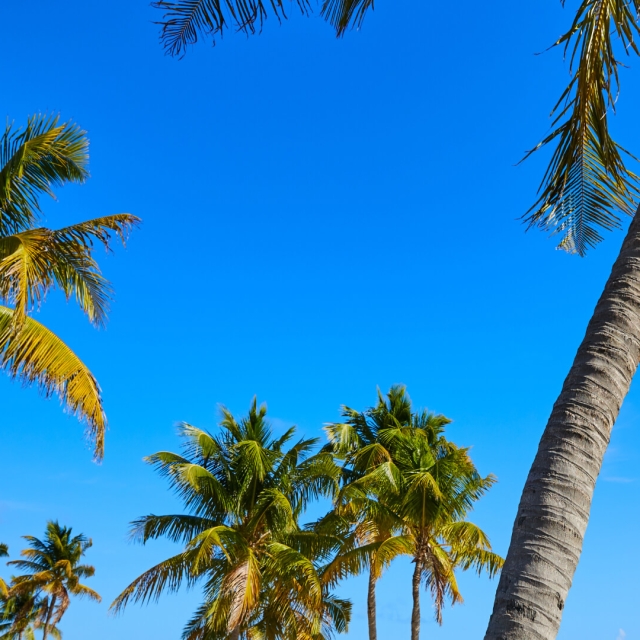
pixel 184 21
pixel 587 183
pixel 46 153
pixel 342 14
pixel 37 356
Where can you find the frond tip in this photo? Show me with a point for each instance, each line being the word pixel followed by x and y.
pixel 37 356
pixel 587 183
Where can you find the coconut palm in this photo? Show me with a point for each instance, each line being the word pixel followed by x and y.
pixel 53 573
pixel 244 493
pixel 184 21
pixel 35 260
pixel 439 486
pixel 21 615
pixel 585 189
pixel 407 491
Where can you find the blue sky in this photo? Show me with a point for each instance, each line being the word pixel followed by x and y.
pixel 321 217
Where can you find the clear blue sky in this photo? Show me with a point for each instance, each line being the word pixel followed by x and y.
pixel 320 217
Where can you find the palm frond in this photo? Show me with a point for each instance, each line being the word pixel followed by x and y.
pixel 37 356
pixel 46 153
pixel 342 14
pixel 184 21
pixel 587 183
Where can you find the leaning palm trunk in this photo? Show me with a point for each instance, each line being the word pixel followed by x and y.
pixel 371 606
pixel 415 591
pixel 554 509
pixel 45 630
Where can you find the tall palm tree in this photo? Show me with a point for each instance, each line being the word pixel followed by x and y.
pixel 585 188
pixel 53 573
pixel 184 21
pixel 35 260
pixel 244 493
pixel 407 489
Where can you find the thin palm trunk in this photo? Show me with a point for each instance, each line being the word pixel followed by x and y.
pixel 554 509
pixel 415 612
pixel 371 606
pixel 52 606
pixel 235 634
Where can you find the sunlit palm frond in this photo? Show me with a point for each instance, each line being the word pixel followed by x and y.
pixel 177 528
pixel 184 21
pixel 587 182
pixel 46 153
pixel 37 356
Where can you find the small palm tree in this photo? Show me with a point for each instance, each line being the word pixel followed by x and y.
pixel 21 615
pixel 35 260
pixel 244 494
pixel 54 574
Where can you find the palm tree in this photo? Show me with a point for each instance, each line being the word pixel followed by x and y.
pixel 54 573
pixel 21 615
pixel 35 260
pixel 407 491
pixel 244 494
pixel 584 189
pixel 184 21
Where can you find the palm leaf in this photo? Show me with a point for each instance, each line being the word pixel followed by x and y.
pixel 587 183
pixel 37 356
pixel 342 14
pixel 45 154
pixel 184 21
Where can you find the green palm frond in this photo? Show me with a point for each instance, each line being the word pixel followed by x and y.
pixel 45 154
pixel 587 183
pixel 37 356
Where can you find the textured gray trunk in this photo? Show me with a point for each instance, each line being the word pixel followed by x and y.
pixel 554 508
pixel 371 607
pixel 415 613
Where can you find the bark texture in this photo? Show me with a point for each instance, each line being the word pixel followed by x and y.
pixel 415 612
pixel 371 607
pixel 554 508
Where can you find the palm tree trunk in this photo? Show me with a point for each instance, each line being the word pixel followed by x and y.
pixel 415 612
pixel 554 508
pixel 52 606
pixel 371 607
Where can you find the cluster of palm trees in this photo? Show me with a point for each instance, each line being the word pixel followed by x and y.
pixel 397 485
pixel 37 599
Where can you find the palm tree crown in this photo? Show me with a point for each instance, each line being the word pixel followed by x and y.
pixel 53 573
pixel 244 493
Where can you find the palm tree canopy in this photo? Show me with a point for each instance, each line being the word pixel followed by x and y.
pixel 33 261
pixel 185 21
pixel 587 183
pixel 244 493
pixel 53 571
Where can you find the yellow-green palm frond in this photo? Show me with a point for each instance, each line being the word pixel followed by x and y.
pixel 390 549
pixel 342 14
pixel 37 356
pixel 46 153
pixel 587 182
pixel 34 261
pixel 184 21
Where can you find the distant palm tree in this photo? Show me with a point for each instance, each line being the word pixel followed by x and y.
pixel 54 573
pixel 407 490
pixel 244 494
pixel 185 21
pixel 34 260
pixel 21 615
